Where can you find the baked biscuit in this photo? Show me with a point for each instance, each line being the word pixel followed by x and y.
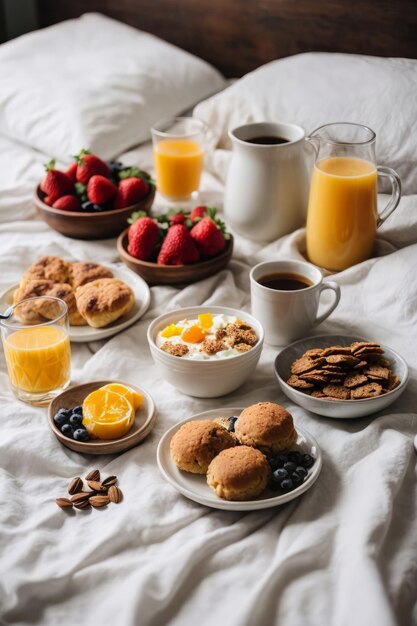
pixel 83 272
pixel 65 292
pixel 239 473
pixel 196 443
pixel 28 312
pixel 103 301
pixel 48 268
pixel 266 426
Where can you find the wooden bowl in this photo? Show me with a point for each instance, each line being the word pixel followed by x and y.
pixel 144 420
pixel 78 225
pixel 155 274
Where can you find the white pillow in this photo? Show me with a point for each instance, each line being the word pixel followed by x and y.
pixel 316 88
pixel 96 83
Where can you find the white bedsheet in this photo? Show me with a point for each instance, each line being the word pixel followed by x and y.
pixel 344 553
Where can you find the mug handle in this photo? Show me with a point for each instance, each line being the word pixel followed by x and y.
pixel 333 287
pixel 387 172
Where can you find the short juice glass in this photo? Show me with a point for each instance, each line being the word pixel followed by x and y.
pixel 37 349
pixel 178 148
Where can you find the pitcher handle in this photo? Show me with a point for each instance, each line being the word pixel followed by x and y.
pixel 387 172
pixel 333 287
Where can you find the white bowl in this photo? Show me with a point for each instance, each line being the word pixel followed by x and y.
pixel 204 379
pixel 339 409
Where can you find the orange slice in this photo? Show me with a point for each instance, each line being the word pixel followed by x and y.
pixel 194 334
pixel 107 415
pixel 135 398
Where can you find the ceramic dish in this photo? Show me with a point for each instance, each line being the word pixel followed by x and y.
pixel 155 274
pixel 194 486
pixel 79 225
pixel 144 420
pixel 204 379
pixel 88 333
pixel 339 409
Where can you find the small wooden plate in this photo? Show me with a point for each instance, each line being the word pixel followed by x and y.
pixel 155 274
pixel 144 420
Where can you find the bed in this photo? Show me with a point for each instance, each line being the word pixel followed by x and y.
pixel 345 551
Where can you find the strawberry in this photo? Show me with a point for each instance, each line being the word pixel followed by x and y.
pixel 100 189
pixel 67 203
pixel 55 183
pixel 89 165
pixel 198 211
pixel 130 191
pixel 178 247
pixel 143 237
pixel 208 237
pixel 71 171
pixel 177 218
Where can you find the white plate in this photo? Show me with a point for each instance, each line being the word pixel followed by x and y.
pixel 87 333
pixel 194 486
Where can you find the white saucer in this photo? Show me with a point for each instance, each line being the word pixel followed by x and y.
pixel 194 486
pixel 87 333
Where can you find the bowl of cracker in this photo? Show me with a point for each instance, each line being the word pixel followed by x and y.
pixel 340 376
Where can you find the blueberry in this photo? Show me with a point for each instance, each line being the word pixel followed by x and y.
pixel 279 474
pixel 67 430
pixel 296 479
pixel 290 466
pixel 287 484
pixel 232 422
pixel 81 434
pixel 61 417
pixel 97 208
pixel 272 460
pixel 281 459
pixel 76 420
pixel 294 456
pixel 77 409
pixel 307 460
pixel 301 471
pixel 87 206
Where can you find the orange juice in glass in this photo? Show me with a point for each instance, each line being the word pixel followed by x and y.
pixel 342 216
pixel 37 349
pixel 178 147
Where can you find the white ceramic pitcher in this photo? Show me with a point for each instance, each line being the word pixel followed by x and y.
pixel 267 184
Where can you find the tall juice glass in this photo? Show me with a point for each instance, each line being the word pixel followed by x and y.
pixel 37 349
pixel 342 216
pixel 178 147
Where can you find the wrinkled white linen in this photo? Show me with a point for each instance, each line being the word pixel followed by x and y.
pixel 344 553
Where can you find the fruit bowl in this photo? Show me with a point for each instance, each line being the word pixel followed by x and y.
pixel 78 225
pixel 155 274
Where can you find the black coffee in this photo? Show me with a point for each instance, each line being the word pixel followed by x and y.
pixel 285 281
pixel 267 140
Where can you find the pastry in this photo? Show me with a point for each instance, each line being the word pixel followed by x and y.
pixel 266 426
pixel 29 312
pixel 84 272
pixel 239 473
pixel 103 301
pixel 196 443
pixel 65 292
pixel 48 268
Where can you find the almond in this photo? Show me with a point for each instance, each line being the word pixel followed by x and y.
pixel 75 485
pixel 96 486
pixel 82 505
pixel 115 494
pixel 64 503
pixel 98 501
pixel 81 496
pixel 93 475
pixel 109 481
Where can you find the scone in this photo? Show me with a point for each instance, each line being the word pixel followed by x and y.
pixel 65 292
pixel 239 473
pixel 266 426
pixel 103 301
pixel 83 272
pixel 28 312
pixel 196 443
pixel 48 268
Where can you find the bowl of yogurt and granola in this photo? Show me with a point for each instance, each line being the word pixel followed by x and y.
pixel 206 351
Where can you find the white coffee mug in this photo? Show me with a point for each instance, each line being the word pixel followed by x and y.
pixel 285 314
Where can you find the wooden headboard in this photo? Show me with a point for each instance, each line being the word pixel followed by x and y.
pixel 237 36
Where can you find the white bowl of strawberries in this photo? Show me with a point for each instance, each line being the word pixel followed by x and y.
pixel 178 247
pixel 92 199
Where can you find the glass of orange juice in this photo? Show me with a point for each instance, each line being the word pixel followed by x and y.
pixel 343 216
pixel 37 348
pixel 178 148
